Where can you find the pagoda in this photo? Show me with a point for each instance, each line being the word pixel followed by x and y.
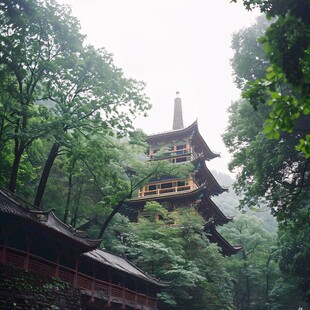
pixel 182 145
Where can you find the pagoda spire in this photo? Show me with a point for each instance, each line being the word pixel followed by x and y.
pixel 177 116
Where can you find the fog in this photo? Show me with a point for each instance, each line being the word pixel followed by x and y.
pixel 172 45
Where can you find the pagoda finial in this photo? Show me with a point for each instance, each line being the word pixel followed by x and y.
pixel 178 116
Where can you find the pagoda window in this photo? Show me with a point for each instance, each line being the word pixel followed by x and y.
pixel 181 159
pixel 166 185
pixel 181 183
pixel 153 152
pixel 181 147
pixel 152 187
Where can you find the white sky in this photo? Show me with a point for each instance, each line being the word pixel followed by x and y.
pixel 172 45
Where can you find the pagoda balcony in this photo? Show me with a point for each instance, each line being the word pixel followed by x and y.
pixel 89 285
pixel 175 156
pixel 172 153
pixel 160 191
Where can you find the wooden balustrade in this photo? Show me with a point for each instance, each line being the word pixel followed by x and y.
pixel 48 268
pixel 170 153
pixel 160 191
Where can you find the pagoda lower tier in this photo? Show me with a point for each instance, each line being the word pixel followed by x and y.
pixel 188 199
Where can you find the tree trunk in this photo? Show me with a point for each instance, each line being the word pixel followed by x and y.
pixel 247 282
pixel 77 203
pixel 248 293
pixel 267 279
pixel 111 215
pixel 18 152
pixel 45 174
pixel 68 201
pixel 14 171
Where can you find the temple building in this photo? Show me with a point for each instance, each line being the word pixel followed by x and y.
pixel 46 264
pixel 181 145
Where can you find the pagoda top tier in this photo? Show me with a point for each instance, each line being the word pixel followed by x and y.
pixel 191 132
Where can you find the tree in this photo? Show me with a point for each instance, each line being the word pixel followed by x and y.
pixel 180 253
pixel 249 61
pixel 253 269
pixel 95 179
pixel 270 172
pixel 90 96
pixel 286 44
pixel 53 86
pixel 138 172
pixel 294 249
pixel 34 40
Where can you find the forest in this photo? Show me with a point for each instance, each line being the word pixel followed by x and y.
pixel 68 143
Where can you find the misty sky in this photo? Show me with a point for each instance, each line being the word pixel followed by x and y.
pixel 172 45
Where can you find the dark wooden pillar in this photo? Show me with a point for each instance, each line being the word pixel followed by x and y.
pixel 123 291
pixel 147 295
pixel 147 300
pixel 4 250
pixel 76 270
pixel 109 288
pixel 26 261
pixel 93 287
pixel 57 264
pixel 136 294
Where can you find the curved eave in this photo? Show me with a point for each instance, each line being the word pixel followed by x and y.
pixel 200 146
pixel 203 175
pixel 209 210
pixel 226 248
pixel 172 134
pixel 192 132
pixel 121 264
pixel 15 207
pixel 188 194
pixel 70 233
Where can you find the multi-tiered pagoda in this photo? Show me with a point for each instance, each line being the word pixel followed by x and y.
pixel 183 145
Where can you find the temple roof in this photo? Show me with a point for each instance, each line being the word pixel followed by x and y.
pixel 226 248
pixel 209 210
pixel 192 132
pixel 11 204
pixel 16 207
pixel 203 175
pixel 121 264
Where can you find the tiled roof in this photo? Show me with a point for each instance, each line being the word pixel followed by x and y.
pixel 11 204
pixel 208 209
pixel 203 175
pixel 226 247
pixel 121 264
